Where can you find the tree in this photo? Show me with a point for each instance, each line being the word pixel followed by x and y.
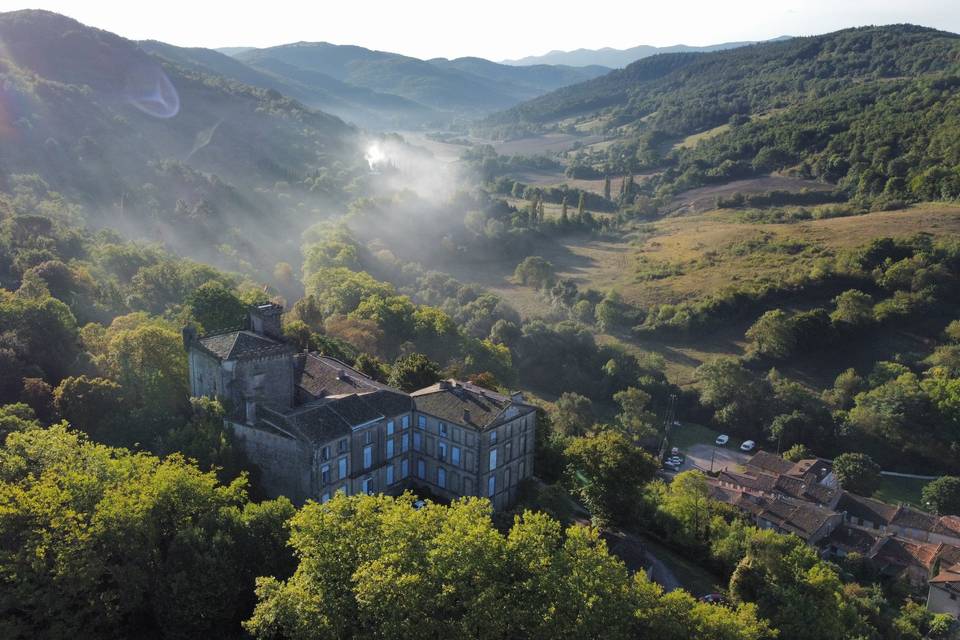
pixel 857 472
pixel 413 372
pixel 94 405
pixel 736 395
pixel 606 187
pixel 216 307
pixel 772 335
pixel 16 417
pixel 797 452
pixel 610 313
pixel 854 308
pixel 536 272
pixel 573 414
pixel 635 418
pixel 609 472
pixel 943 495
pixel 372 367
pixel 166 551
pixel 580 208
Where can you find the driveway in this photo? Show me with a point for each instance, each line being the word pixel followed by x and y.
pixel 698 457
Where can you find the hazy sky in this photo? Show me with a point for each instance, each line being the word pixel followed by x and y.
pixel 494 29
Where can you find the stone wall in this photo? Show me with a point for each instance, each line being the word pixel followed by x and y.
pixel 284 463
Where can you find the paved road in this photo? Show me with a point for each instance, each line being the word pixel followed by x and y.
pixel 698 457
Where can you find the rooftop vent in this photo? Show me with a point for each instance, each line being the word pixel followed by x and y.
pixel 444 385
pixel 341 374
pixel 466 416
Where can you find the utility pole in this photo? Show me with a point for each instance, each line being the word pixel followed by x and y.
pixel 713 454
pixel 668 425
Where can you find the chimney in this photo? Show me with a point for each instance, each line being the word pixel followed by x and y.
pixel 265 319
pixel 517 396
pixel 189 335
pixel 466 416
pixel 444 385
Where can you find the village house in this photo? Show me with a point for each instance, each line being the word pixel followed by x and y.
pixel 315 426
pixel 804 499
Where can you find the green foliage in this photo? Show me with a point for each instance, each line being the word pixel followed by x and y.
pixel 857 472
pixel 413 372
pixel 572 414
pixel 16 417
pixel 94 405
pixel 535 272
pixel 216 307
pixel 609 472
pixel 165 550
pixel 797 453
pixel 943 495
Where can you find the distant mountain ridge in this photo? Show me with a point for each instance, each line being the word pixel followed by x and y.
pixel 448 88
pixel 619 58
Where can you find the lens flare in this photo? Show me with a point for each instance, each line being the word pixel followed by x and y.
pixel 150 90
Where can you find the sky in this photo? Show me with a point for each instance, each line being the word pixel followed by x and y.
pixel 493 29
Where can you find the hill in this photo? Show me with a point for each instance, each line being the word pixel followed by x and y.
pixel 464 85
pixel 619 58
pixel 159 149
pixel 857 107
pixel 353 104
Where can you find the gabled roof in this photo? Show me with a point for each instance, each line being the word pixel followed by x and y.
pixel 950 575
pixel 769 463
pixel 321 376
pixel 795 516
pixel 465 404
pixel 899 552
pixel 237 345
pixel 866 508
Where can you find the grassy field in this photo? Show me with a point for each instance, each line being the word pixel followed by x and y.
pixel 896 490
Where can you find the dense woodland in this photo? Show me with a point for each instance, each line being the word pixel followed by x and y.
pixel 127 509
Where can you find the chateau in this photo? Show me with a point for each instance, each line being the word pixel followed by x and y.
pixel 315 426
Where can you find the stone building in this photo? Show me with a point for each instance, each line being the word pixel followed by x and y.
pixel 315 426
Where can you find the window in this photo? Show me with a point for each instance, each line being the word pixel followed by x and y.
pixel 389 474
pixel 442 451
pixel 441 477
pixel 422 422
pixel 455 455
pixel 368 485
pixel 521 470
pixel 325 498
pixel 390 448
pixel 404 468
pixel 325 474
pixel 508 451
pixel 405 442
pixel 442 429
pixel 417 441
pixel 510 430
pixel 456 434
pixel 368 456
pixel 368 436
pixel 491 485
pixel 421 469
pixel 325 454
pixel 493 437
pixel 493 459
pixel 342 468
pixel 506 478
pixel 342 446
pixel 405 422
pixel 523 445
pixel 389 427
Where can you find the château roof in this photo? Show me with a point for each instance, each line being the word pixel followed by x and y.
pixel 465 404
pixel 238 345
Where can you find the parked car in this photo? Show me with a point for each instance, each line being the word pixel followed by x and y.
pixel 714 598
pixel 748 445
pixel 723 439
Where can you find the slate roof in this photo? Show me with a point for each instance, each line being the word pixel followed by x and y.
pixel 769 463
pixel 449 399
pixel 237 345
pixel 316 423
pixel 756 481
pixel 913 519
pixel 795 516
pixel 866 508
pixel 851 539
pixel 321 376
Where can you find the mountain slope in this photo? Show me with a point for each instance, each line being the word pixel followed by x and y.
pixel 873 109
pixel 158 151
pixel 618 58
pixel 354 104
pixel 463 85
